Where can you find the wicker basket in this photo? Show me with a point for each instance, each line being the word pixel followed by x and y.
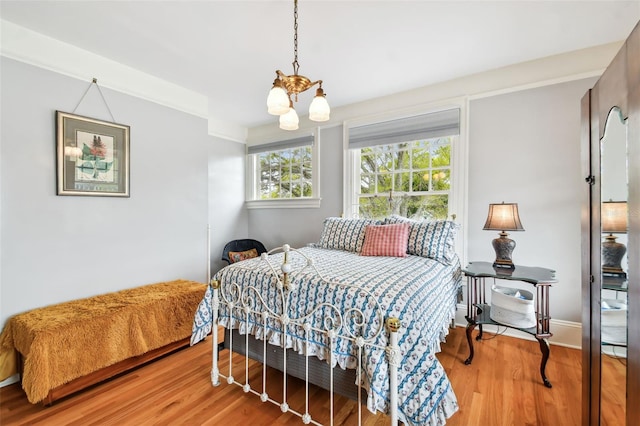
pixel 614 321
pixel 512 307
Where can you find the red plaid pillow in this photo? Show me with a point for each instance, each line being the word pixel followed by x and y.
pixel 386 240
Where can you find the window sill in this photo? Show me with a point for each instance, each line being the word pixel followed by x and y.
pixel 300 203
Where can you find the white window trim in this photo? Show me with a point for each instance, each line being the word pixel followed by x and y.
pixel 251 195
pixel 302 203
pixel 459 163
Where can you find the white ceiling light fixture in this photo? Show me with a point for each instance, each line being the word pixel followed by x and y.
pixel 279 101
pixel 289 120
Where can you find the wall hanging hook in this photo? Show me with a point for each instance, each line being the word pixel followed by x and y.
pixel 95 81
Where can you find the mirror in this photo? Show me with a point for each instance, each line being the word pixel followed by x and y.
pixel 614 220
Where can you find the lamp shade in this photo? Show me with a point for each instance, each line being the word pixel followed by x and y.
pixel 289 121
pixel 319 109
pixel 614 217
pixel 277 101
pixel 503 217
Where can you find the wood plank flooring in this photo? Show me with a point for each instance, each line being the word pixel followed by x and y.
pixel 501 387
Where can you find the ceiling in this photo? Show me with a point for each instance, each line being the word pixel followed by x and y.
pixel 229 50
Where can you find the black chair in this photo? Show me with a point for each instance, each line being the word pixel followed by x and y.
pixel 242 245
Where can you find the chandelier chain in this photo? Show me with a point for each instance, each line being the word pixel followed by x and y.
pixel 287 87
pixel 296 66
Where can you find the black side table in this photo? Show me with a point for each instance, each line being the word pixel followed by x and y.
pixel 479 311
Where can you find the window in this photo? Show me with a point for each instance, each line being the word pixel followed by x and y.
pixel 283 174
pixel 403 166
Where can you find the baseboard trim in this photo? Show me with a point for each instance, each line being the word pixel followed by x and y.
pixel 565 333
pixel 9 381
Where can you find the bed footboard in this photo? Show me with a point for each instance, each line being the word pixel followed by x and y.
pixel 344 380
pixel 339 334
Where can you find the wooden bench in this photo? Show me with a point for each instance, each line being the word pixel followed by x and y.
pixel 67 347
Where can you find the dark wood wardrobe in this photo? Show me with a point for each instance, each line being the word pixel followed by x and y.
pixel 611 283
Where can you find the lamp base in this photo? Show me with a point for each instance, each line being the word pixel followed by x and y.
pixel 503 247
pixel 504 264
pixel 614 272
pixel 612 254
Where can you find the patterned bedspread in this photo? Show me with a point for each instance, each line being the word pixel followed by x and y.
pixel 420 291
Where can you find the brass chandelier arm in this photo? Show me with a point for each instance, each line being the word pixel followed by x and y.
pixel 296 83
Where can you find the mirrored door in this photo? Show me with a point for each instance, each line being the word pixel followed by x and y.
pixel 614 275
pixel 611 242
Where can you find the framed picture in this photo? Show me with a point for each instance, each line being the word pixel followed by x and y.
pixel 93 156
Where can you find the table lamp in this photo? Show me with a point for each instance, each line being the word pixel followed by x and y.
pixel 503 217
pixel 614 221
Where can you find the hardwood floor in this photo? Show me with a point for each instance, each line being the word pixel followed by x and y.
pixel 501 387
pixel 614 391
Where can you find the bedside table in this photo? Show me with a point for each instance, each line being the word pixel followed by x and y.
pixel 479 311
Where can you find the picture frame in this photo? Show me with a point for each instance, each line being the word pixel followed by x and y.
pixel 92 156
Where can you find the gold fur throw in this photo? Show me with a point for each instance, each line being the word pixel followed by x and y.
pixel 62 342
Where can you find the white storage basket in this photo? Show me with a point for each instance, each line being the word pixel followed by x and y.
pixel 614 321
pixel 512 307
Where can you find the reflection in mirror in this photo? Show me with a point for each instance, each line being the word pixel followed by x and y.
pixel 613 213
pixel 614 221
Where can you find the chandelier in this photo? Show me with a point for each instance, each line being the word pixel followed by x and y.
pixel 280 102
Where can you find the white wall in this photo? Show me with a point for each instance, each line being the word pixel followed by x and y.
pixel 58 248
pixel 551 120
pixel 297 227
pixel 524 147
pixel 228 217
pixel 54 249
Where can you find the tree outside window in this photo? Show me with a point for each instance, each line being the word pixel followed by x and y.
pixel 285 174
pixel 411 179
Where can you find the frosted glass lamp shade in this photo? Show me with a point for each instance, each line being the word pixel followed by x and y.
pixel 319 109
pixel 289 121
pixel 277 101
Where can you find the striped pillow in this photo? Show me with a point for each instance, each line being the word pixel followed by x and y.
pixel 432 239
pixel 386 240
pixel 344 234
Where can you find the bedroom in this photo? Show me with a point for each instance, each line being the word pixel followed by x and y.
pixel 185 176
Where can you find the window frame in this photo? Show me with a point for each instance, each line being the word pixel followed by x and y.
pixel 252 195
pixel 458 166
pixel 408 172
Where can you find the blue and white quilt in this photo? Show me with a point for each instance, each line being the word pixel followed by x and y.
pixel 421 292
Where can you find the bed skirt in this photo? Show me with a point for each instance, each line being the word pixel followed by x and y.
pixel 344 380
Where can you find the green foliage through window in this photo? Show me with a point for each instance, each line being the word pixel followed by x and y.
pixel 412 179
pixel 286 173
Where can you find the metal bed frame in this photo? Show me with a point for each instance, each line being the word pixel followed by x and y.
pixel 349 325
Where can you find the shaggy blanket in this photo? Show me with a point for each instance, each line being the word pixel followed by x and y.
pixel 62 342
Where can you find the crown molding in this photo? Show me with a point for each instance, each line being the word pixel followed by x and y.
pixel 25 45
pixel 226 130
pixel 575 65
